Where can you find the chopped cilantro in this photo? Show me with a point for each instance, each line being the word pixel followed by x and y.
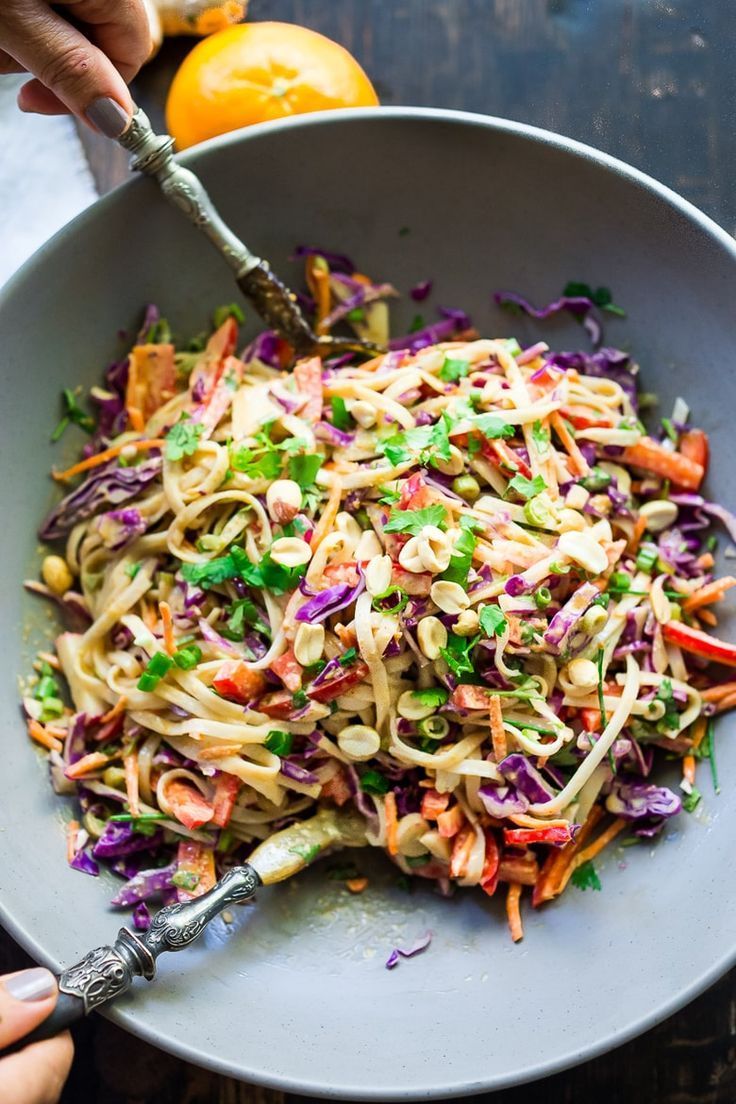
pixel 462 554
pixel 417 323
pixel 299 699
pixel 492 620
pixel 600 296
pixel 132 569
pixel 340 417
pixel 380 601
pixel 425 441
pixel 691 801
pixel 303 469
pixel 541 438
pixel 413 521
pixel 242 613
pixel 235 564
pixel 453 369
pixel 73 414
pixel 182 439
pixel 586 876
pixel 671 719
pixel 263 460
pixel 230 310
pixel 357 314
pixel 389 496
pixel 434 696
pixel 527 488
pixel 492 426
pixel 457 654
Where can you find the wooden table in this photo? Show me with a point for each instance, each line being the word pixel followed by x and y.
pixel 652 82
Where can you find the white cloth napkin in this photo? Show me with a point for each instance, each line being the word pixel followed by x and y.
pixel 44 178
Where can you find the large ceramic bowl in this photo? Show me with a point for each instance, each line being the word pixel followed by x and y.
pixel 294 993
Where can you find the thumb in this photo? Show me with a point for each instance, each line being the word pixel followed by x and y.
pixel 71 67
pixel 26 999
pixel 36 1074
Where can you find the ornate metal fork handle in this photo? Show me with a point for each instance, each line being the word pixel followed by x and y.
pixel 106 972
pixel 273 301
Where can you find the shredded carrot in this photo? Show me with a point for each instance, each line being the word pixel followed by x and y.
pixel 357 885
pixel 168 625
pixel 603 840
pixel 716 693
pixel 318 280
pixel 434 803
pixel 578 463
pixel 727 702
pixel 699 730
pixel 640 526
pixel 705 561
pixel 117 709
pixel 43 737
pixel 221 751
pixel 107 454
pixel 461 849
pixel 72 831
pixel 498 733
pixel 136 419
pixel 708 617
pixel 392 823
pixel 90 762
pixel 712 592
pixel 558 866
pixel 329 513
pixel 513 911
pixel 130 763
pixel 688 769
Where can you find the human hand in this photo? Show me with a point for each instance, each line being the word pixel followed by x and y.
pixel 80 63
pixel 36 1074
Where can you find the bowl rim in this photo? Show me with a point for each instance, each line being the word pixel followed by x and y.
pixel 268 1077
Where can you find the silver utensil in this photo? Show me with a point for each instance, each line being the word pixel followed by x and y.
pixel 106 972
pixel 272 299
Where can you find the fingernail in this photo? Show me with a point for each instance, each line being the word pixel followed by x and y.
pixel 31 985
pixel 108 116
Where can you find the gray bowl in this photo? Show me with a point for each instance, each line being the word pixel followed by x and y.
pixel 294 993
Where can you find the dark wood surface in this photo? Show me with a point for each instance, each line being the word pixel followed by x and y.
pixel 652 82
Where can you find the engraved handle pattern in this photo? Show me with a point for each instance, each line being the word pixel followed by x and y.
pixel 106 972
pixel 176 926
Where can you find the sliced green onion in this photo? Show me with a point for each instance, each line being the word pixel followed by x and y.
pixel 435 727
pixel 280 743
pixel 158 665
pixel 51 710
pixel 187 658
pixel 620 580
pixel 542 597
pixel 647 558
pixel 712 755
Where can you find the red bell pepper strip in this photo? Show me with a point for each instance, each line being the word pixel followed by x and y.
pixel 333 688
pixel 522 836
pixel 434 803
pixel 699 643
pixel 198 861
pixel 288 670
pixel 188 805
pixel 226 792
pixel 489 874
pixel 336 788
pixel 308 379
pixel 236 681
